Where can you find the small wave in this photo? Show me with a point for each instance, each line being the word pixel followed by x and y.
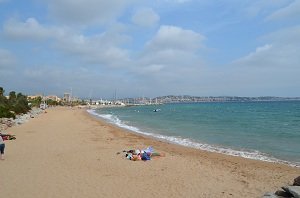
pixel 114 120
pixel 256 155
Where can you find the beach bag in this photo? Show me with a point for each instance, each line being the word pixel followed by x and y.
pixel 145 157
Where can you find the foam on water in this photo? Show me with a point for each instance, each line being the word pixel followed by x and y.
pixel 253 154
pixel 114 120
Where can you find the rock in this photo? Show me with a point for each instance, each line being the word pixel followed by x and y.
pixel 294 190
pixel 270 195
pixel 20 119
pixel 3 127
pixel 282 193
pixel 296 181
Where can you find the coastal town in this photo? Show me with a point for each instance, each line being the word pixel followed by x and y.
pixel 17 108
pixel 67 98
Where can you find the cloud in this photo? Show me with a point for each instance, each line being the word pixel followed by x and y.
pixel 145 17
pixel 85 46
pixel 103 48
pixel 271 69
pixel 259 54
pixel 281 51
pixel 30 29
pixel 8 64
pixel 291 11
pixel 254 8
pixel 175 38
pixel 286 36
pixel 86 12
pixel 171 46
pixel 7 59
pixel 170 60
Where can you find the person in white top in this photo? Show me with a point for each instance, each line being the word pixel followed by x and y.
pixel 2 147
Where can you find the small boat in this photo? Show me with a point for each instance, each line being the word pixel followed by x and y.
pixel 156 110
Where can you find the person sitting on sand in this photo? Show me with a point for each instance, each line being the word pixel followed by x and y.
pixel 2 147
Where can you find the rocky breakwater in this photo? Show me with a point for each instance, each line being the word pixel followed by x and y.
pixel 20 119
pixel 290 191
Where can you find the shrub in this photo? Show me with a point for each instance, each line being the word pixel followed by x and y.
pixel 6 113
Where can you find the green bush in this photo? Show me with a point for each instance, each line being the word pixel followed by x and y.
pixel 6 113
pixel 16 103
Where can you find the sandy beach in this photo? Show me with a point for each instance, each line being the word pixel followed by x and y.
pixel 68 153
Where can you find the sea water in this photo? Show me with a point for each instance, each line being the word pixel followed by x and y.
pixel 268 131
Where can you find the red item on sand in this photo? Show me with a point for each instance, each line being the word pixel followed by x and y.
pixel 4 137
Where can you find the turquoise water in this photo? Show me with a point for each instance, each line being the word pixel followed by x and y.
pixel 268 131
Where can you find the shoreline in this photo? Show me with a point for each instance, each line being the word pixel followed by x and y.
pixel 165 141
pixel 69 153
pixel 196 145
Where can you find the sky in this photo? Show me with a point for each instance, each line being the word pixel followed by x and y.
pixel 96 48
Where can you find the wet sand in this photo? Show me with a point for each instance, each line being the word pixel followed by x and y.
pixel 68 153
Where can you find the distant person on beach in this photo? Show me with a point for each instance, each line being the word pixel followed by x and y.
pixel 2 147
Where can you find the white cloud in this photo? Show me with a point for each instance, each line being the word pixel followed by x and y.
pixel 172 46
pixel 259 53
pixel 271 69
pixel 100 49
pixel 282 50
pixel 151 69
pixel 285 36
pixel 145 17
pixel 176 38
pixel 87 11
pixel 171 59
pixel 292 11
pixel 30 29
pixel 97 49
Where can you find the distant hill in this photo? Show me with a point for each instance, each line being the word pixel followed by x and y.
pixel 191 99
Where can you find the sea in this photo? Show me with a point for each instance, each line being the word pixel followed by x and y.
pixel 267 131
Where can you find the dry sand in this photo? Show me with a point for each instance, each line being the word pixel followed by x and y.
pixel 67 153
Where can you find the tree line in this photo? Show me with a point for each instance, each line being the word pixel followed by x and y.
pixel 15 104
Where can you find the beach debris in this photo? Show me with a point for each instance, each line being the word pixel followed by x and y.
pixel 293 190
pixel 270 195
pixel 296 181
pixel 20 119
pixel 141 154
pixel 288 191
pixel 282 193
pixel 7 136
